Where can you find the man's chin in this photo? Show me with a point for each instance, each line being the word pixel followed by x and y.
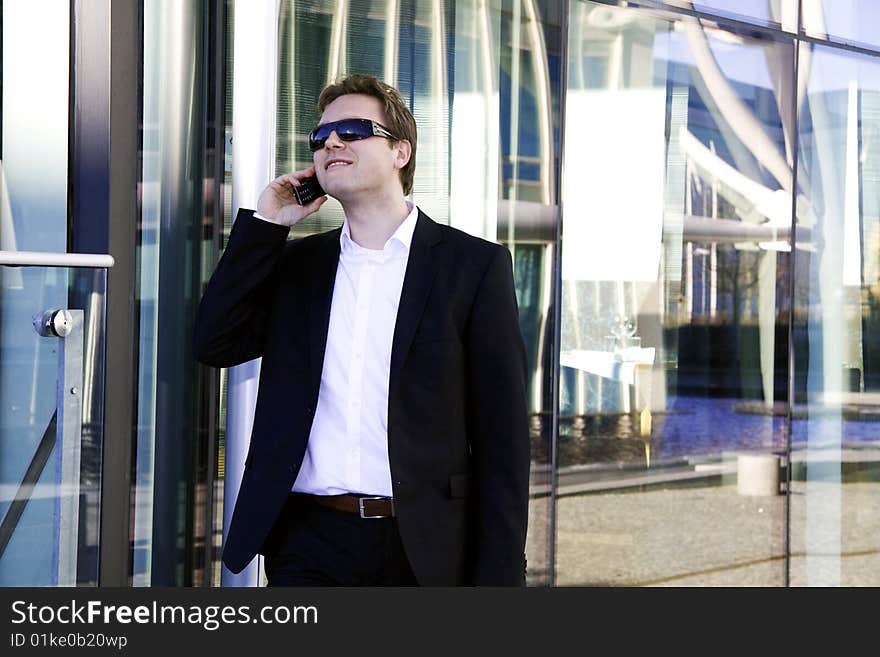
pixel 342 195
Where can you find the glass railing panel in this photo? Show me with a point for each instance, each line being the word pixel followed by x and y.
pixel 51 424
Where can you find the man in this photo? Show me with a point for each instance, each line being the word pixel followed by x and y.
pixel 390 441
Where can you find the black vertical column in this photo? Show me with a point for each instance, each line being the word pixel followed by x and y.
pixel 103 176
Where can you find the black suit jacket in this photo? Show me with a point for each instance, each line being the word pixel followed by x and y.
pixel 458 440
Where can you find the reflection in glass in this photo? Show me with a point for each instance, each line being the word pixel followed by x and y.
pixel 843 21
pixel 482 80
pixel 836 478
pixel 780 14
pixel 175 204
pixel 33 217
pixel 839 21
pixel 676 251
pixel 33 161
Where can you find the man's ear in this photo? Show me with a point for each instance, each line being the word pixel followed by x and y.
pixel 404 152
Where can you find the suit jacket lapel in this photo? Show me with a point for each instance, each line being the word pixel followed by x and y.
pixel 324 263
pixel 420 270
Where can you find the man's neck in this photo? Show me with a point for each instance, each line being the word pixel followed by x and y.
pixel 372 222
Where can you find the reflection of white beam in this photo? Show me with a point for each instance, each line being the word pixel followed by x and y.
pixel 253 165
pixel 828 302
pixel 741 120
pixel 392 21
pixel 788 14
pixel 813 18
pixel 748 195
pixel 542 98
pixel 290 70
pixel 534 221
pixel 336 65
pixel 852 242
pixel 515 82
pixel 728 231
pixel 767 321
pixel 547 272
pixel 439 87
pixel 576 43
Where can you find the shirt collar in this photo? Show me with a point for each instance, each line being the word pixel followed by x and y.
pixel 403 235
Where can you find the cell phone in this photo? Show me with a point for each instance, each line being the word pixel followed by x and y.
pixel 309 189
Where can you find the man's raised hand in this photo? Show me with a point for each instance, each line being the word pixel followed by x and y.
pixel 277 202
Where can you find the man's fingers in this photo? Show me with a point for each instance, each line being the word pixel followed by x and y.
pixel 295 177
pixel 314 204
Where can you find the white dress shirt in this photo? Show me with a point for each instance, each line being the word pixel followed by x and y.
pixel 348 444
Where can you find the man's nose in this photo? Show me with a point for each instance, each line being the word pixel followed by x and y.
pixel 333 140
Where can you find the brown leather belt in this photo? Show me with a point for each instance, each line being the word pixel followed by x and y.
pixel 365 506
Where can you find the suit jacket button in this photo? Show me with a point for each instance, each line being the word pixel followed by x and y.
pixel 309 411
pixel 291 468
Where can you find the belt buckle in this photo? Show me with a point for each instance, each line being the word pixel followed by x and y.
pixel 377 497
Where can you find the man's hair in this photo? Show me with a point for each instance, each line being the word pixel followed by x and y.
pixel 399 120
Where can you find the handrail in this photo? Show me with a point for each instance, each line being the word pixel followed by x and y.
pixel 42 259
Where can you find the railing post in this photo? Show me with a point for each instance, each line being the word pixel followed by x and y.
pixel 67 325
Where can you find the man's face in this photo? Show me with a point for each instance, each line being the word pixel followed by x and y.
pixel 352 170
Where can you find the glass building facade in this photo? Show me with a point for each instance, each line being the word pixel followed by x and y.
pixel 690 192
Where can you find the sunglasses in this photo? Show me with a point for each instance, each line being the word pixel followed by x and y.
pixel 348 130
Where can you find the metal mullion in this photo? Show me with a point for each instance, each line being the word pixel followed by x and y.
pixel 103 184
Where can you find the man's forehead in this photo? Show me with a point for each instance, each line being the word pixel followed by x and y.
pixel 353 106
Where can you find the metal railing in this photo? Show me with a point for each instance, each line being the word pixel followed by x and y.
pixel 44 259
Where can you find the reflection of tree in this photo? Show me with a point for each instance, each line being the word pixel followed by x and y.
pixel 827 196
pixel 736 266
pixel 751 276
pixel 738 278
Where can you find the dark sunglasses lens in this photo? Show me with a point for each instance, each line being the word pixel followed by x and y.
pixel 317 137
pixel 348 130
pixel 353 130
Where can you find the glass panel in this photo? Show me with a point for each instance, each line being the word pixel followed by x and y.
pixel 33 189
pixel 845 21
pixel 175 241
pixel 221 230
pixel 779 14
pixel 835 529
pixel 484 86
pixel 675 264
pixel 50 432
pixel 525 42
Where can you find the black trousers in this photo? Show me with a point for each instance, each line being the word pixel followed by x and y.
pixel 312 545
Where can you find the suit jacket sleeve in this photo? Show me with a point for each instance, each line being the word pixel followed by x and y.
pixel 230 326
pixel 498 427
